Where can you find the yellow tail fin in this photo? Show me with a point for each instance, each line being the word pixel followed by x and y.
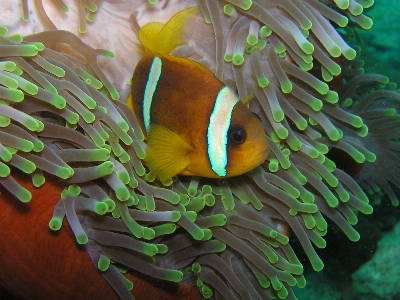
pixel 160 38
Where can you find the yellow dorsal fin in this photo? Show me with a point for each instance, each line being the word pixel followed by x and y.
pixel 160 38
pixel 167 152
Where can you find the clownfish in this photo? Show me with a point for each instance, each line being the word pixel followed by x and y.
pixel 194 124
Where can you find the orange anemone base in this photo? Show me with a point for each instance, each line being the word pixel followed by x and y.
pixel 37 263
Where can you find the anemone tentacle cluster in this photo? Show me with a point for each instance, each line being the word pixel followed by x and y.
pixel 60 114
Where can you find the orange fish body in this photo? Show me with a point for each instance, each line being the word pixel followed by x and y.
pixel 195 125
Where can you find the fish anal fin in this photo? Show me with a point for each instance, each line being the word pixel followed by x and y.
pixel 167 153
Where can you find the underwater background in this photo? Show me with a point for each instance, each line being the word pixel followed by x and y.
pixel 380 52
pixel 342 258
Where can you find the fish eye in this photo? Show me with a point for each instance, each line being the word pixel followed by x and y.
pixel 237 135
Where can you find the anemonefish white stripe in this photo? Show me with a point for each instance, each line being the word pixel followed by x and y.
pixel 217 132
pixel 151 86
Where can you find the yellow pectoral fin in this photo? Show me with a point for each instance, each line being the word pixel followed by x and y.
pixel 129 102
pixel 167 152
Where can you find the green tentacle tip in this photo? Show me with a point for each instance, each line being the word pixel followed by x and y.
pixel 114 94
pixel 301 124
pixel 90 17
pixel 357 121
pixel 15 95
pixel 209 200
pixel 107 53
pixel 100 208
pixel 105 168
pixel 5 155
pixel 29 50
pixel 184 199
pixel 133 183
pixel 92 7
pixel 334 134
pixel 38 45
pixel 252 39
pixel 175 275
pixel 26 146
pixel 8 82
pixel 390 112
pixel 342 4
pixel 353 236
pixel 88 117
pixel 265 31
pixel 309 207
pixel 228 57
pixel 365 22
pixel 295 144
pixel 8 66
pixel 332 97
pixel 282 133
pixel 123 176
pixel 153 1
pixel 82 28
pixel 370 157
pixel 38 146
pixel 149 249
pixel 55 223
pixel 316 104
pixel 38 179
pixel 281 49
pixel 322 88
pixel 64 193
pixel 307 47
pixel 27 167
pixel 122 193
pixel 218 220
pixel 261 44
pixel 238 59
pixel 3 31
pixel 110 204
pixel 58 101
pixel 74 189
pixel 4 121
pixel 278 115
pixel 30 88
pixel 39 126
pixel 161 248
pixel 249 49
pixel 175 216
pixel 244 4
pixel 229 9
pixel 197 233
pixel 206 291
pixel 129 284
pixel 273 165
pixel 276 284
pixel 82 239
pixel 262 81
pixel 350 54
pixel 23 195
pixel 64 172
pixel 104 263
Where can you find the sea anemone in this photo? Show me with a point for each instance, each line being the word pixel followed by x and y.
pixel 375 100
pixel 60 115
